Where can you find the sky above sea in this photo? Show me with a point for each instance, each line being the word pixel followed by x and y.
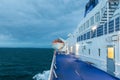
pixel 36 23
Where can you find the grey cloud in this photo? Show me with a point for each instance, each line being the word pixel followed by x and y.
pixel 32 22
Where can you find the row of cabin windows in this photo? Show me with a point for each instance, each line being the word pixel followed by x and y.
pixel 99 51
pixel 90 22
pixel 101 30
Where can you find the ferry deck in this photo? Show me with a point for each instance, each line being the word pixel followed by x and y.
pixel 68 67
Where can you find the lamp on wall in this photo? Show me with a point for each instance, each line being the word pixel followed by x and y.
pixel 94 28
pixel 69 34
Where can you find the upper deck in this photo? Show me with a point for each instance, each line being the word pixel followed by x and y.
pixel 103 12
pixel 103 19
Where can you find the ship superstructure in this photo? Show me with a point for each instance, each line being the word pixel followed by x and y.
pixel 97 38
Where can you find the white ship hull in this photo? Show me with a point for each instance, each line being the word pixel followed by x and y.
pixel 99 43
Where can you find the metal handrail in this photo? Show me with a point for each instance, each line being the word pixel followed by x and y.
pixel 52 66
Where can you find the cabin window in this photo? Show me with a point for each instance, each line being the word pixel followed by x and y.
pixel 110 53
pixel 84 36
pixel 111 26
pixel 100 31
pixel 89 51
pixel 87 24
pixel 93 34
pixel 97 17
pixel 99 51
pixel 88 35
pixel 84 26
pixel 77 39
pixel 79 29
pixel 81 37
pixel 92 20
pixel 105 28
pixel 117 25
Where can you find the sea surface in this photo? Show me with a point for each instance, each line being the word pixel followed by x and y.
pixel 24 63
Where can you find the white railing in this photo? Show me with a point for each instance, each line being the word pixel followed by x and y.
pixel 52 67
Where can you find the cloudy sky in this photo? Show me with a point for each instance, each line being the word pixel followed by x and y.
pixel 35 23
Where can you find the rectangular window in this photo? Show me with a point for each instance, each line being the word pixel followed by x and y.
pixel 111 52
pixel 93 34
pixel 81 37
pixel 97 17
pixel 84 36
pixel 105 28
pixel 111 26
pixel 99 51
pixel 92 20
pixel 100 31
pixel 84 26
pixel 89 51
pixel 77 39
pixel 88 35
pixel 87 24
pixel 117 24
pixel 79 29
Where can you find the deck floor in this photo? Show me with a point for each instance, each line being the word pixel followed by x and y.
pixel 70 68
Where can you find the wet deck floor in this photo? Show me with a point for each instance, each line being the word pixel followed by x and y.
pixel 70 68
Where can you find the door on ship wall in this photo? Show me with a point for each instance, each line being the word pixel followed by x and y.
pixel 111 60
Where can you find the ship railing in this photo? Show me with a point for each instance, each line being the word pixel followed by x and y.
pixel 52 71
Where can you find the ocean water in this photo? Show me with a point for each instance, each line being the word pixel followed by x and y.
pixel 24 63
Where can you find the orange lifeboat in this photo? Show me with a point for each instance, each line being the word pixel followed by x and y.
pixel 58 44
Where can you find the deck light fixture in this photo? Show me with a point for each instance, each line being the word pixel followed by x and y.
pixel 94 28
